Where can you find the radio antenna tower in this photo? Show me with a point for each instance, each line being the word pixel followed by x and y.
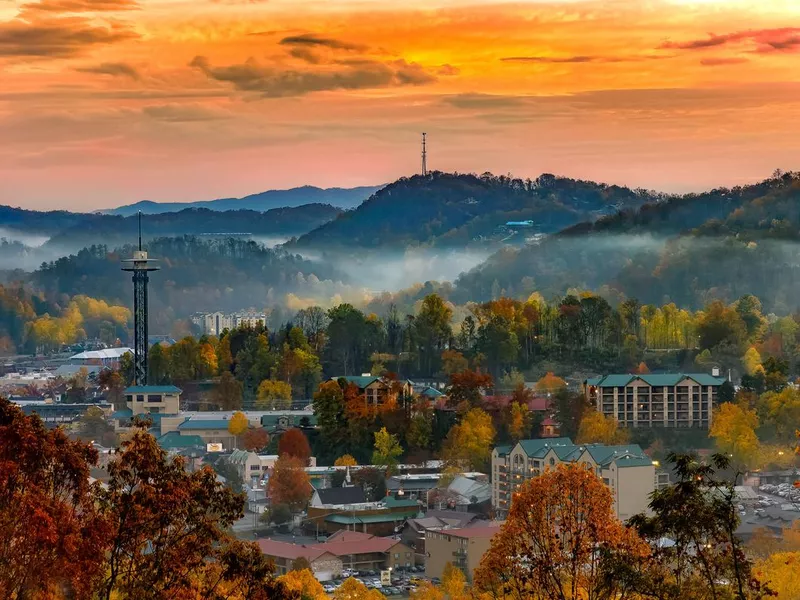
pixel 140 265
pixel 424 155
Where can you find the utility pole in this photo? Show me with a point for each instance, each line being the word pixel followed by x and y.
pixel 424 155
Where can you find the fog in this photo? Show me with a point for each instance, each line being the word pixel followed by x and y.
pixel 32 240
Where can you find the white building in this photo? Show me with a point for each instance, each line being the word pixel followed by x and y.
pixel 217 322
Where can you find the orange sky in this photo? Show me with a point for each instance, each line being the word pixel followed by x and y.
pixel 104 102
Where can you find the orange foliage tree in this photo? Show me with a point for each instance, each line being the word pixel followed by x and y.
pixel 289 483
pixel 554 544
pixel 304 584
pixel 550 384
pixel 295 444
pixel 466 388
pixel 51 534
pixel 255 438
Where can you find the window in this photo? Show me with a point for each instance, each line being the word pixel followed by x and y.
pixel 255 467
pixel 552 462
pixel 396 555
pixel 408 555
pixel 129 398
pixel 154 398
pixel 140 397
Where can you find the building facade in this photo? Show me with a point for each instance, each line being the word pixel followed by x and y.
pixel 217 322
pixel 153 399
pixel 378 390
pixel 463 548
pixel 673 400
pixel 626 470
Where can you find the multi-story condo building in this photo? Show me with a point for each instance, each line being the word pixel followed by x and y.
pixel 626 470
pixel 671 400
pixel 217 322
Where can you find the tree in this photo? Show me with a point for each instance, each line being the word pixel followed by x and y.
pixel 558 540
pixel 353 589
pixel 427 591
pixel 274 394
pixel 255 439
pixel 94 427
pixel 751 361
pixel 718 324
pixel 207 361
pixel 238 424
pixel 281 515
pixel 550 384
pixel 420 428
pixel 329 407
pixel 52 534
pixel 294 443
pixel 300 563
pixel 726 392
pixel 227 393
pixel 699 515
pixel 433 331
pixel 779 572
pixel 596 428
pixel 454 582
pixel 569 409
pixel 519 421
pixel 289 483
pixel 453 362
pixel 733 430
pixel 642 369
pixel 781 411
pixel 469 443
pixel 168 530
pixel 345 460
pixel 466 388
pixel 302 582
pixel 387 450
pixel 111 382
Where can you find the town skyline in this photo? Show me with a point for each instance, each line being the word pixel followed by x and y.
pixel 106 103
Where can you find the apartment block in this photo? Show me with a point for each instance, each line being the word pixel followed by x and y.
pixel 626 470
pixel 664 400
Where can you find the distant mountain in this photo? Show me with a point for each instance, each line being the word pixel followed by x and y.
pixel 688 250
pixel 454 210
pixel 339 197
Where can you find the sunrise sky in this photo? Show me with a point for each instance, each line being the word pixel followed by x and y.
pixel 104 102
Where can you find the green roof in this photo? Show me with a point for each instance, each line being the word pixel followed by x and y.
pixel 355 520
pixel 540 447
pixel 655 379
pixel 431 393
pixel 566 453
pixel 604 455
pixel 124 413
pixel 634 462
pixel 174 440
pixel 153 389
pixel 503 450
pixel 393 502
pixel 204 424
pixel 360 381
pixel 292 420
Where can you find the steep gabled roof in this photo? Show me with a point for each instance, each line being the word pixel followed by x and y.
pixel 539 447
pixel 342 495
pixel 360 381
pixel 655 379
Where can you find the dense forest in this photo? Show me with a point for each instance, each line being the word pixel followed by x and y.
pixel 452 210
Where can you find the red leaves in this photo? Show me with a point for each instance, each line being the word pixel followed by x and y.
pixel 295 444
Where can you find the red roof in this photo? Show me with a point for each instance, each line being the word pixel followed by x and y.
pixel 375 544
pixel 290 551
pixel 348 536
pixel 536 404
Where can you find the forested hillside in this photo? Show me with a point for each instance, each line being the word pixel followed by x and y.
pixel 687 250
pixel 444 209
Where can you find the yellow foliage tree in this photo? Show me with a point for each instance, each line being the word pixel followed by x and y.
pixel 780 573
pixel 550 384
pixel 734 433
pixel 596 428
pixel 238 424
pixel 353 589
pixel 274 394
pixel 454 584
pixel 427 591
pixel 469 443
pixel 207 362
pixel 304 583
pixel 518 421
pixel 346 460
pixel 751 361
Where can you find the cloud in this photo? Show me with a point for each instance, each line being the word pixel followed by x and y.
pixel 720 61
pixel 79 6
pixel 766 40
pixel 182 113
pixel 114 69
pixel 315 41
pixel 57 37
pixel 580 59
pixel 272 82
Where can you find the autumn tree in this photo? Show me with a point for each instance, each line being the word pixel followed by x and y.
pixel 255 438
pixel 52 534
pixel 453 362
pixel 304 583
pixel 733 430
pixel 751 361
pixel 557 540
pixel 111 382
pixel 569 409
pixel 454 583
pixel 345 460
pixel 469 443
pixel 387 450
pixel 518 421
pixel 353 589
pixel 227 394
pixel 597 428
pixel 779 572
pixel 273 394
pixel 466 388
pixel 294 443
pixel 329 407
pixel 719 324
pixel 550 384
pixel 420 428
pixel 238 424
pixel 289 483
pixel 432 326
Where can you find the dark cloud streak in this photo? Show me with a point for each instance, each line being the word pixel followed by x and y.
pixel 113 69
pixel 58 37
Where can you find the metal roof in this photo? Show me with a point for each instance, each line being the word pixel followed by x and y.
pixel 107 354
pixel 199 424
pixel 655 379
pixel 152 389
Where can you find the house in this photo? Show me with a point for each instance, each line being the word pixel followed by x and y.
pixel 253 467
pixel 626 470
pixel 384 517
pixel 378 390
pixel 338 496
pixel 464 548
pixel 324 565
pixel 153 399
pixel 414 530
pixel 656 400
pixel 353 550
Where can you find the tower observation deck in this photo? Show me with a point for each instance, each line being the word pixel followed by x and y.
pixel 140 265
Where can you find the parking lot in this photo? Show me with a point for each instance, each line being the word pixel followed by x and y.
pixel 404 581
